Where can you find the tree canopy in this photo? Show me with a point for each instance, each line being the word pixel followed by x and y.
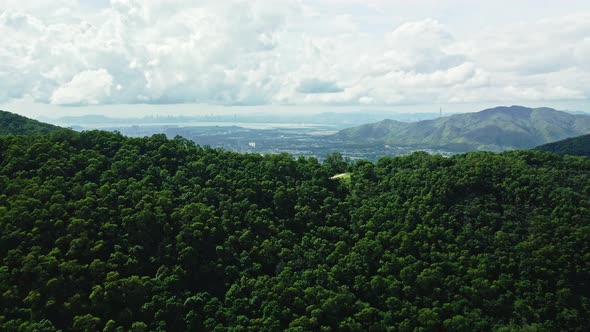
pixel 15 124
pixel 99 232
pixel 575 146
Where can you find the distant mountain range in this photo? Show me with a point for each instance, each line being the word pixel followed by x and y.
pixel 11 123
pixel 495 129
pixel 336 120
pixel 575 146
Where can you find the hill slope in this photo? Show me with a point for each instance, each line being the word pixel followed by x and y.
pixel 496 129
pixel 575 146
pixel 11 123
pixel 99 232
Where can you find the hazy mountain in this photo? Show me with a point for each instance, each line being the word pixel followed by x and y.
pixel 495 129
pixel 11 123
pixel 336 120
pixel 575 146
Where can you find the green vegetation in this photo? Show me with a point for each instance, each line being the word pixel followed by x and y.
pixel 496 129
pixel 575 146
pixel 99 232
pixel 15 124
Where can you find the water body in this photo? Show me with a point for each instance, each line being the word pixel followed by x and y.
pixel 248 125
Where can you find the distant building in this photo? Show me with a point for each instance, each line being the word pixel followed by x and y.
pixel 252 144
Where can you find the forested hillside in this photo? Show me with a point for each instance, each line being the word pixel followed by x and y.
pixel 99 232
pixel 11 123
pixel 495 129
pixel 575 146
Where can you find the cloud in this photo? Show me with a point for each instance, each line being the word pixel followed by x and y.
pixel 20 21
pixel 342 52
pixel 89 87
pixel 314 85
pixel 582 54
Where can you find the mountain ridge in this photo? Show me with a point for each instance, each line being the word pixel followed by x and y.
pixel 495 129
pixel 12 123
pixel 575 146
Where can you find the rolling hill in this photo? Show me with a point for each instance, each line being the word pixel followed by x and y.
pixel 495 129
pixel 575 146
pixel 11 123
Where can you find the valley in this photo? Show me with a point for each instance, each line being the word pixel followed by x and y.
pixel 497 129
pixel 308 165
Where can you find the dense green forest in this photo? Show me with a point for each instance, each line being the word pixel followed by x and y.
pixel 99 232
pixel 11 123
pixel 575 146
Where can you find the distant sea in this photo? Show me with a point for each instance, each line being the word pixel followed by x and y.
pixel 249 125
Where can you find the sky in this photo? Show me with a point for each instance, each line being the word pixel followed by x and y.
pixel 178 56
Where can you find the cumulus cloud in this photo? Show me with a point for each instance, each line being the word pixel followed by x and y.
pixel 89 87
pixel 240 52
